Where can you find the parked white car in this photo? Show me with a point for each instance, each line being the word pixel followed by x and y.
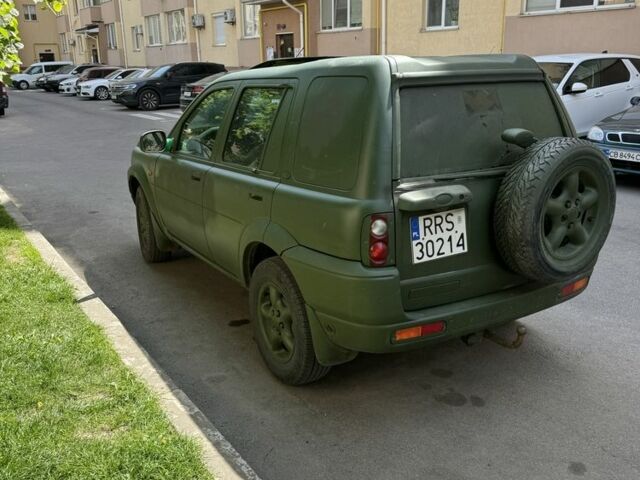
pixel 98 88
pixel 593 86
pixel 68 86
pixel 27 79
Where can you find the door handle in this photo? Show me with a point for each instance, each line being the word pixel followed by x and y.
pixel 195 177
pixel 255 197
pixel 598 94
pixel 434 197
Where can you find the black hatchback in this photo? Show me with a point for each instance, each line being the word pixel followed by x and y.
pixel 161 86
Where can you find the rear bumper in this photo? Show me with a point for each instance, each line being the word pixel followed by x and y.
pixel 4 101
pixel 185 102
pixel 359 309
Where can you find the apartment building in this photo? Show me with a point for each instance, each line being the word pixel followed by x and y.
pixel 538 27
pixel 38 33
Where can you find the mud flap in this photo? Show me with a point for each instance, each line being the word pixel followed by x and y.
pixel 327 352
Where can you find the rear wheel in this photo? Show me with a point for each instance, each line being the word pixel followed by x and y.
pixel 23 85
pixel 149 100
pixel 146 235
pixel 281 326
pixel 1 112
pixel 102 93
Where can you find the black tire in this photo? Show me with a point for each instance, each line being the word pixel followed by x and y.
pixel 296 365
pixel 146 236
pixel 23 85
pixel 1 112
pixel 101 93
pixel 554 209
pixel 148 100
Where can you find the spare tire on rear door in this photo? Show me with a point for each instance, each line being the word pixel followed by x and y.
pixel 554 209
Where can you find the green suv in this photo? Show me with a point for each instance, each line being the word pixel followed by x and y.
pixel 378 204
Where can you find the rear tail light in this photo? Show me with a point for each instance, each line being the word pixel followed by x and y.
pixel 378 240
pixel 574 287
pixel 197 89
pixel 426 330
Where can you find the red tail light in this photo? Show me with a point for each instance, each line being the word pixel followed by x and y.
pixel 197 89
pixel 419 331
pixel 574 287
pixel 378 240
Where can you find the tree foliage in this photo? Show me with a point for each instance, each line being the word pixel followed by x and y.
pixel 10 36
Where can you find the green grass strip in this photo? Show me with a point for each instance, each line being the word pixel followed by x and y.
pixel 69 408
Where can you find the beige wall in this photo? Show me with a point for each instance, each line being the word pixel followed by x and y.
pixel 615 30
pixel 39 36
pixel 132 16
pixel 480 27
pixel 227 54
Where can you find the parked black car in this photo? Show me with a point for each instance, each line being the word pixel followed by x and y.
pixel 53 81
pixel 4 98
pixel 191 90
pixel 162 85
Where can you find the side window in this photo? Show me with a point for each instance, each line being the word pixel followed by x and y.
pixel 613 71
pixel 199 132
pixel 251 125
pixel 635 62
pixel 51 68
pixel 330 132
pixel 587 73
pixel 182 70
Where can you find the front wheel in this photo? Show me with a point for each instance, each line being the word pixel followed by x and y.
pixel 149 100
pixel 23 85
pixel 1 112
pixel 102 93
pixel 281 326
pixel 146 235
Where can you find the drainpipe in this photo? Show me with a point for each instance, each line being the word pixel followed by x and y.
pixel 383 27
pixel 124 36
pixel 302 35
pixel 195 12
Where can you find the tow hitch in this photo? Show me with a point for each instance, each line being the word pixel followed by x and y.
pixel 521 331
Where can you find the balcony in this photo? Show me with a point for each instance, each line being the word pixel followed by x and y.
pixel 89 15
pixel 62 23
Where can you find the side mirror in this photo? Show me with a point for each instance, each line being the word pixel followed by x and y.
pixel 154 141
pixel 578 87
pixel 635 101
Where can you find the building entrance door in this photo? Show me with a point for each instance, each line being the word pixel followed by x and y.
pixel 284 43
pixel 94 55
pixel 47 57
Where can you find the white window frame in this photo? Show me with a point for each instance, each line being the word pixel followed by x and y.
pixel 112 36
pixel 135 38
pixel 90 3
pixel 80 43
pixel 442 26
pixel 147 21
pixel 214 17
pixel 29 13
pixel 64 45
pixel 333 27
pixel 256 9
pixel 586 8
pixel 176 18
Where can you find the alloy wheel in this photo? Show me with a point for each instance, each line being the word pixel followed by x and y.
pixel 149 100
pixel 275 320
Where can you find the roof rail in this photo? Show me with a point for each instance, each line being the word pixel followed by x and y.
pixel 281 62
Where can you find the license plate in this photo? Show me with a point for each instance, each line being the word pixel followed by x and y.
pixel 187 94
pixel 624 155
pixel 438 235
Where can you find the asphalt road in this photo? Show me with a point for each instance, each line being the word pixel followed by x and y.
pixel 564 406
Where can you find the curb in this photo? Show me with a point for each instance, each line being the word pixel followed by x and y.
pixel 219 456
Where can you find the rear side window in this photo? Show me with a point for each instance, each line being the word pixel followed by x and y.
pixel 251 125
pixel 455 128
pixel 331 131
pixel 51 68
pixel 636 63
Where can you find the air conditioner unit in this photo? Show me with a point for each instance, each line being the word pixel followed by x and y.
pixel 230 16
pixel 197 20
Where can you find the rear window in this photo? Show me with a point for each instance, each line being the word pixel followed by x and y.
pixel 556 71
pixel 455 128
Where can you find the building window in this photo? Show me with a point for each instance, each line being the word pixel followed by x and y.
pixel 250 21
pixel 442 13
pixel 80 42
pixel 136 33
pixel 112 41
pixel 153 30
pixel 30 13
pixel 64 46
pixel 533 6
pixel 176 26
pixel 219 37
pixel 90 3
pixel 338 14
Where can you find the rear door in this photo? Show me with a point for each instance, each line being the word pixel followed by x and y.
pixel 451 162
pixel 239 189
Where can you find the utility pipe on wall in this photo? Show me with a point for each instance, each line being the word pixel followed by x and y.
pixel 124 36
pixel 302 35
pixel 195 12
pixel 383 27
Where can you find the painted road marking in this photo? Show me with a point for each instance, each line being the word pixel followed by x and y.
pixel 148 117
pixel 168 114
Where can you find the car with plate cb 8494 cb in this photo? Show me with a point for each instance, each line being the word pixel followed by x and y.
pixel 378 204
